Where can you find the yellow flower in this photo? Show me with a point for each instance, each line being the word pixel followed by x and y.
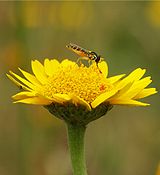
pixel 56 83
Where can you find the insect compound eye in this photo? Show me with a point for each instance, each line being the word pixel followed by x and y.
pixel 94 56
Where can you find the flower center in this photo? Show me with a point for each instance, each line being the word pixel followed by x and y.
pixel 82 81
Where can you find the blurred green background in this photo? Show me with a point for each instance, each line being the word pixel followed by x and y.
pixel 127 35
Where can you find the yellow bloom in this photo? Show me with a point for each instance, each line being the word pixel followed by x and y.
pixel 79 94
pixel 68 83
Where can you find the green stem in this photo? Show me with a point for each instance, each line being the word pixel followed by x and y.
pixel 76 145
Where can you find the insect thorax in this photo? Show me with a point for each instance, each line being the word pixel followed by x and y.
pixel 93 56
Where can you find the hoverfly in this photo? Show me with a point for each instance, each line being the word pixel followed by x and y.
pixel 85 54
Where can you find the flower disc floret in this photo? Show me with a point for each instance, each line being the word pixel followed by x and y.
pixel 80 81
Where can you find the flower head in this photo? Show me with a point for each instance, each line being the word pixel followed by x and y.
pixel 58 85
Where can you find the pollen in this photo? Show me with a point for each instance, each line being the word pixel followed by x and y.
pixel 82 81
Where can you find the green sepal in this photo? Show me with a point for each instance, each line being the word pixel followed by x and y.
pixel 77 114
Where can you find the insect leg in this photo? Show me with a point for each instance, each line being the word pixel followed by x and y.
pixel 81 58
pixel 98 67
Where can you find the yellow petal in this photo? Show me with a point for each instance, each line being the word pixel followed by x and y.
pixel 122 91
pixel 23 95
pixel 55 66
pixel 48 67
pixel 30 85
pixel 30 77
pixel 35 101
pixel 39 71
pixel 77 100
pixel 102 98
pixel 137 87
pixel 104 68
pixel 136 74
pixel 51 66
pixel 66 63
pixel 20 85
pixel 116 78
pixel 133 76
pixel 145 93
pixel 61 98
pixel 55 63
pixel 127 102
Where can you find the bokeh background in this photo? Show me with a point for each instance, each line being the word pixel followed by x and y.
pixel 127 35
